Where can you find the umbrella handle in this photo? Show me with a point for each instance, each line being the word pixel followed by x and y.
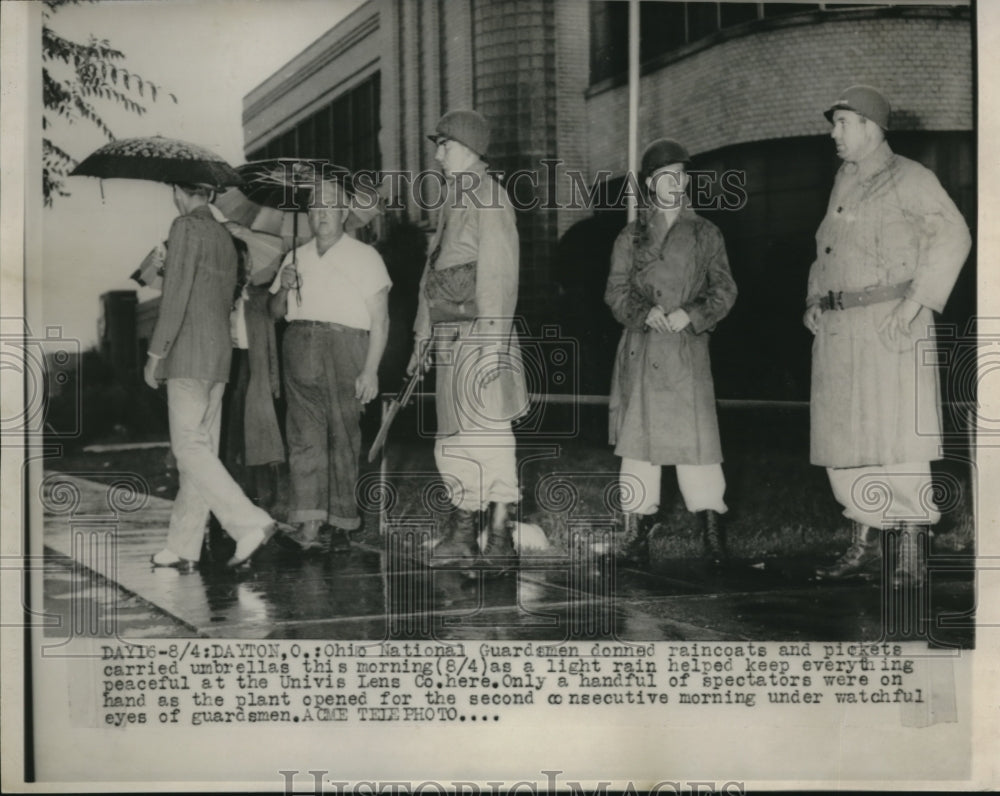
pixel 298 277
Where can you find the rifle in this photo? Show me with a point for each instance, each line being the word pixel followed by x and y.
pixel 401 399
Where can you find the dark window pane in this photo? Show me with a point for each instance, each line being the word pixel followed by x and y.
pixel 344 132
pixel 661 28
pixel 364 132
pixel 703 20
pixel 608 39
pixel 306 132
pixel 323 136
pixel 376 119
pixel 342 149
pixel 779 9
pixel 285 146
pixel 737 13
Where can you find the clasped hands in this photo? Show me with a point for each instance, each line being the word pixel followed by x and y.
pixel 660 321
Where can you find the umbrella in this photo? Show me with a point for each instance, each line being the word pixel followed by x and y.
pixel 278 190
pixel 158 159
pixel 288 183
pixel 235 205
pixel 265 251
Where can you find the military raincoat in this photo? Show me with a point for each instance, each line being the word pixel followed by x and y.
pixel 876 401
pixel 662 407
pixel 477 235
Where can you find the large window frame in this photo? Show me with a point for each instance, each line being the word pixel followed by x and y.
pixel 670 26
pixel 344 131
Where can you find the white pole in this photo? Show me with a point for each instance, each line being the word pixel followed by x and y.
pixel 633 100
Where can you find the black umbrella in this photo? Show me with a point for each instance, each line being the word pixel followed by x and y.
pixel 160 160
pixel 287 184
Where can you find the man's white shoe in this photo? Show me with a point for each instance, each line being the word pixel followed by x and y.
pixel 250 544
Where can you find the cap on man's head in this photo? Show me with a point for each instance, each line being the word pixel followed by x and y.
pixel 662 152
pixel 466 127
pixel 865 101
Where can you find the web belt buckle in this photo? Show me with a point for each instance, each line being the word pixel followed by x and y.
pixel 835 300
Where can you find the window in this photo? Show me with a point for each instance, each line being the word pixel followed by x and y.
pixel 662 28
pixel 731 14
pixel 344 132
pixel 667 26
pixel 608 39
pixel 781 9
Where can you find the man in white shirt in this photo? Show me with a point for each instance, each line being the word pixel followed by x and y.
pixel 338 326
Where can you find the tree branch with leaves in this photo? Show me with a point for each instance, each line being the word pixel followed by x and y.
pixel 91 72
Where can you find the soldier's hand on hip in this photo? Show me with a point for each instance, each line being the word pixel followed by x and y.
pixel 897 323
pixel 656 319
pixel 811 318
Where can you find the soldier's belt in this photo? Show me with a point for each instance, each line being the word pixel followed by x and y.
pixel 844 300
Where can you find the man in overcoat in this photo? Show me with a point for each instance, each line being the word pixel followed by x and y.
pixel 465 313
pixel 887 256
pixel 191 349
pixel 669 286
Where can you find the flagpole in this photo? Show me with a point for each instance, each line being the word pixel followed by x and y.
pixel 633 101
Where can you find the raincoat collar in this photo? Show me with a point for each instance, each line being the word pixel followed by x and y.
pixel 656 226
pixel 478 168
pixel 873 163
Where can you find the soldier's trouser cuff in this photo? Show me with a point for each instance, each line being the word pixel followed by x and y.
pixel 880 496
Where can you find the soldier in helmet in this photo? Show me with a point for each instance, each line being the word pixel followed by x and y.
pixel 887 255
pixel 669 286
pixel 466 307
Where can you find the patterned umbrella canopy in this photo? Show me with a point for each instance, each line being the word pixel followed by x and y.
pixel 288 183
pixel 160 160
pixel 277 192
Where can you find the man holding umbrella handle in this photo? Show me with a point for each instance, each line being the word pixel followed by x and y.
pixel 331 352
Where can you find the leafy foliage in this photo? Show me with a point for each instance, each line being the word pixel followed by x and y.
pixel 94 72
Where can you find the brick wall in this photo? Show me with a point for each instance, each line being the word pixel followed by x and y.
pixel 515 89
pixel 776 83
pixel 572 136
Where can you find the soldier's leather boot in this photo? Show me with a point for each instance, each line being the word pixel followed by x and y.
pixel 499 553
pixel 912 544
pixel 713 537
pixel 459 547
pixel 863 556
pixel 634 548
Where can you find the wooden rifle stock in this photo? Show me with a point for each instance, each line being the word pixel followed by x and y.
pixel 401 399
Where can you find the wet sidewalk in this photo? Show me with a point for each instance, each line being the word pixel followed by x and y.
pixel 382 590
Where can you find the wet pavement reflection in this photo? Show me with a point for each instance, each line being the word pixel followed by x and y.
pixel 389 592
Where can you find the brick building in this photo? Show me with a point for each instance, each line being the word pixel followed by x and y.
pixel 743 85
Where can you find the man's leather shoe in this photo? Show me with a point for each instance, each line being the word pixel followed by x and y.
pixel 167 558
